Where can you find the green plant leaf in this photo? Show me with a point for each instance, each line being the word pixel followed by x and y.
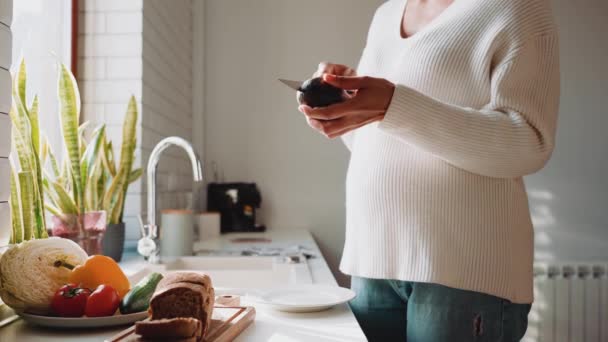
pixel 116 214
pixel 19 86
pixel 15 205
pixel 54 164
pixel 53 210
pixel 64 201
pixel 114 197
pixel 35 124
pixel 69 98
pixel 108 158
pixel 20 133
pixel 44 151
pixel 26 197
pixel 91 154
pixel 135 175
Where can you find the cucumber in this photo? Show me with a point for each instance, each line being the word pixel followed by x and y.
pixel 138 299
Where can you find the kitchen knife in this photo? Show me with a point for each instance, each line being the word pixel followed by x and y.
pixel 316 93
pixel 295 85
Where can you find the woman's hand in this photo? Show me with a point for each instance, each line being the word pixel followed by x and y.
pixel 334 69
pixel 368 104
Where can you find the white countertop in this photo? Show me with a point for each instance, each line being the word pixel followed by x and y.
pixel 337 324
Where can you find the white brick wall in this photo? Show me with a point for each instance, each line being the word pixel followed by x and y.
pixel 109 72
pixel 167 93
pixel 6 12
pixel 144 48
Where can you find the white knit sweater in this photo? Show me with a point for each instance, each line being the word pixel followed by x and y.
pixel 435 191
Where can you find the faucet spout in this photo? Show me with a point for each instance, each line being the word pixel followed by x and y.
pixel 197 173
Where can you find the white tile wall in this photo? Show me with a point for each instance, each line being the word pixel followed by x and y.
pixel 112 45
pixel 124 68
pixel 5 223
pixel 124 22
pixel 167 92
pixel 92 68
pixel 5 173
pixel 145 48
pixel 110 91
pixel 6 12
pixel 5 40
pixel 93 23
pixel 5 136
pixel 110 71
pixel 5 91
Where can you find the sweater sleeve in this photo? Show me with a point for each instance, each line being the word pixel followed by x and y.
pixel 512 136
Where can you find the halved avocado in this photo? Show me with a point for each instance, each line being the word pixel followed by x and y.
pixel 317 93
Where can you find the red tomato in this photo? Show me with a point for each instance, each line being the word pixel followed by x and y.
pixel 70 301
pixel 102 302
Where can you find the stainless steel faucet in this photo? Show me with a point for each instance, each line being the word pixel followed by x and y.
pixel 148 245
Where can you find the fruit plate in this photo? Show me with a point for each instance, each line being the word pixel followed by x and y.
pixel 83 322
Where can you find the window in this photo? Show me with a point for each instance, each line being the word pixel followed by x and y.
pixel 42 33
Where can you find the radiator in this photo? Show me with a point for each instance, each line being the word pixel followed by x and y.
pixel 571 303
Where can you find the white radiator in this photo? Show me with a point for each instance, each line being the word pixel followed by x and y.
pixel 571 303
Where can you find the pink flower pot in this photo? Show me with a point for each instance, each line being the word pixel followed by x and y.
pixel 89 237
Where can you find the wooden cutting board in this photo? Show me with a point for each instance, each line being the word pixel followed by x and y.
pixel 227 323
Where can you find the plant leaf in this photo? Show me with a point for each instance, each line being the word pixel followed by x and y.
pixel 26 197
pixel 64 200
pixel 69 98
pixel 135 175
pixel 108 158
pixel 19 87
pixel 114 197
pixel 91 154
pixel 53 210
pixel 35 124
pixel 44 151
pixel 54 164
pixel 15 205
pixel 20 134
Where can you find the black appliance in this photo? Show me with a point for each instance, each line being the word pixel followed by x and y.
pixel 236 203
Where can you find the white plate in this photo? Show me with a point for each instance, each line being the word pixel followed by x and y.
pixel 83 322
pixel 306 298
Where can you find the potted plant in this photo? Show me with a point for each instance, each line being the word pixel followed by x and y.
pixel 65 187
pixel 117 179
pixel 83 194
pixel 26 201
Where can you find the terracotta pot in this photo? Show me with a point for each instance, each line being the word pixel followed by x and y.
pixel 89 237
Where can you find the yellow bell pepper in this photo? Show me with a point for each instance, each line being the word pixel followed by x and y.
pixel 98 270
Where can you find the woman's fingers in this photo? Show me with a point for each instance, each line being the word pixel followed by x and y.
pixel 348 82
pixel 334 69
pixel 341 126
pixel 332 112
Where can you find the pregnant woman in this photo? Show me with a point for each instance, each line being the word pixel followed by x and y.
pixel 453 102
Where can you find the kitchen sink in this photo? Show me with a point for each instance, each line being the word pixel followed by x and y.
pixel 236 272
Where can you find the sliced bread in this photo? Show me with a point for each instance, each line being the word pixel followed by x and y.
pixel 184 294
pixel 174 328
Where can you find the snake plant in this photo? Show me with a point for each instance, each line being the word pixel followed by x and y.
pixel 89 180
pixel 120 176
pixel 26 196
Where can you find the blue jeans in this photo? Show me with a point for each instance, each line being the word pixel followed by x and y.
pixel 393 310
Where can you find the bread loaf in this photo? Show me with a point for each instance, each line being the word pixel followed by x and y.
pixel 182 295
pixel 174 329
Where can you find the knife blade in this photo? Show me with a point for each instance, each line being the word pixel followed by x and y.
pixel 295 85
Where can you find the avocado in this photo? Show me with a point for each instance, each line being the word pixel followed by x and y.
pixel 316 93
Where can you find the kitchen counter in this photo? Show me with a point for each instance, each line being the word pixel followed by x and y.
pixel 336 325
